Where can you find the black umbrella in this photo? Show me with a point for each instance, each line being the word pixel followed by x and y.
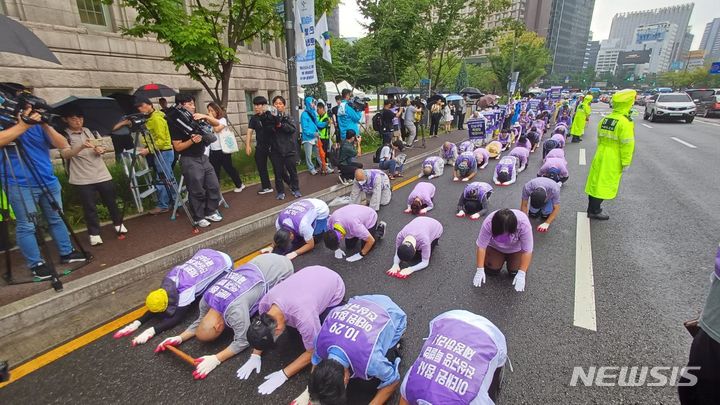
pixel 100 113
pixel 125 101
pixel 388 91
pixel 434 98
pixel 470 90
pixel 154 90
pixel 17 39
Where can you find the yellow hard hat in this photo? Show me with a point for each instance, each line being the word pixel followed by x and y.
pixel 157 301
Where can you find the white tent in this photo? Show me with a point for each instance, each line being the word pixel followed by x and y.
pixel 332 89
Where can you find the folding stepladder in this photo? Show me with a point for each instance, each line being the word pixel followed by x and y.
pixel 142 182
pixel 183 198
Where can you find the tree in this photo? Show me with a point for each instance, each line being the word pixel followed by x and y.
pixel 525 52
pixel 461 81
pixel 205 36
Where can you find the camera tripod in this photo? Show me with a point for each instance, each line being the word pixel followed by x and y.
pixel 32 215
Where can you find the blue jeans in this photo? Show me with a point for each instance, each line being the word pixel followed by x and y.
pixel 21 197
pixel 310 151
pixel 391 166
pixel 166 170
pixel 546 210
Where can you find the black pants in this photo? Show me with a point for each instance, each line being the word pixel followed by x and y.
pixel 285 167
pixel 352 243
pixel 461 120
pixel 220 159
pixel 386 137
pixel 704 353
pixel 202 185
pixel 88 198
pixel 435 123
pixel 594 205
pixel 262 154
pixel 348 171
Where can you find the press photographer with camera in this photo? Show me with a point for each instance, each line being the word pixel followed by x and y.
pixel 25 187
pixel 349 114
pixel 190 139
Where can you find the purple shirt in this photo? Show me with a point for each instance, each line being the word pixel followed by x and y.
pixel 321 288
pixel 424 191
pixel 469 158
pixel 552 189
pixel 477 188
pixel 526 145
pixel 481 155
pixel 450 153
pixel 556 153
pixel 557 163
pixel 466 146
pixel 425 230
pixel 520 241
pixel 560 139
pixel 523 154
pixel 355 219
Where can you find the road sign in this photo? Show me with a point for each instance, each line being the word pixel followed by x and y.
pixel 715 68
pixel 424 82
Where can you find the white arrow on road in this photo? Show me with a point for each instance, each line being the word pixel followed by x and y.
pixel 584 315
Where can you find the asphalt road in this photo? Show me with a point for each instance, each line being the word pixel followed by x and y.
pixel 651 265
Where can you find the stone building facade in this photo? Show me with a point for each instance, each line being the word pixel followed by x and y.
pixel 97 60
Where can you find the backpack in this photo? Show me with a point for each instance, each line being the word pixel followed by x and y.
pixel 377 122
pixel 376 158
pixel 334 156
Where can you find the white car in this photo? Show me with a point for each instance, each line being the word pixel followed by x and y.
pixel 671 106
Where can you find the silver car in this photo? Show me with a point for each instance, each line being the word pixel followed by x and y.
pixel 670 106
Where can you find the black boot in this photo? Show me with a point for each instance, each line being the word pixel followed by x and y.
pixel 599 216
pixel 575 139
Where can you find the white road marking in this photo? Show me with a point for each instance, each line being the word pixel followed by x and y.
pixel 689 145
pixel 584 316
pixel 707 122
pixel 582 157
pixel 646 125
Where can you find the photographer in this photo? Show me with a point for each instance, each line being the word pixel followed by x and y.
pixel 283 151
pixel 26 186
pixel 202 183
pixel 348 165
pixel 347 116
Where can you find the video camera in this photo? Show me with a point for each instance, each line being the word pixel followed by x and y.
pixel 12 105
pixel 182 120
pixel 358 104
pixel 137 120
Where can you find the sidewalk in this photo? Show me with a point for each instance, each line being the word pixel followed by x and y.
pixel 149 233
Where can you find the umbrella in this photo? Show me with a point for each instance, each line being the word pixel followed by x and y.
pixel 434 98
pixel 100 113
pixel 388 91
pixel 470 90
pixel 154 90
pixel 454 97
pixel 17 39
pixel 125 101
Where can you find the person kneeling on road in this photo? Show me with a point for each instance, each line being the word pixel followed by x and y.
pixel 370 353
pixel 505 237
pixel 506 171
pixel 353 223
pixel 284 306
pixel 449 152
pixel 555 169
pixel 544 196
pixel 464 338
pixel 559 137
pixel 465 167
pixel 178 290
pixel 298 225
pixel 482 157
pixel 433 166
pixel 494 149
pixel 550 145
pixel 554 154
pixel 414 244
pixel 466 146
pixel 420 200
pixel 231 301
pixel 474 200
pixel 523 155
pixel 374 184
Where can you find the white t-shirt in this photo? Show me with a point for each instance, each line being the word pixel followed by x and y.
pixel 385 153
pixel 216 145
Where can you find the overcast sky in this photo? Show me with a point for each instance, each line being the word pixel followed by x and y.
pixel 704 12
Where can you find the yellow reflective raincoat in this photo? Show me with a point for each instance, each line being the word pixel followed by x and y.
pixel 581 116
pixel 616 143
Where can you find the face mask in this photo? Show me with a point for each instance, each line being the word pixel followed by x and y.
pixel 362 182
pixel 504 238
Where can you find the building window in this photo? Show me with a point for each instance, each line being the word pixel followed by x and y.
pixel 92 12
pixel 249 104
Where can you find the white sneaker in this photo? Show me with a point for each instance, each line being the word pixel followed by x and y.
pixel 214 217
pixel 95 240
pixel 239 189
pixel 330 170
pixel 203 223
pixel 121 229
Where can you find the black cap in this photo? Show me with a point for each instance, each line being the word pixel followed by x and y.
pixel 142 100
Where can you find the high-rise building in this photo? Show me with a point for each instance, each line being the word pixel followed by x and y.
pixel 659 39
pixel 333 20
pixel 710 42
pixel 591 53
pixel 568 34
pixel 624 25
pixel 607 56
pixel 537 16
pixel 695 59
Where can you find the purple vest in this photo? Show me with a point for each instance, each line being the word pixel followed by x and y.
pixel 450 153
pixel 466 146
pixel 295 213
pixel 371 178
pixel 476 188
pixel 452 364
pixel 204 267
pixel 506 163
pixel 504 138
pixel 466 157
pixel 232 286
pixel 353 328
pixel 717 263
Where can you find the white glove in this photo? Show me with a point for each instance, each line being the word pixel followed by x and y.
pixel 291 255
pixel 479 278
pixel 408 210
pixel 519 281
pixel 354 258
pixel 475 215
pixel 144 337
pixel 127 330
pixel 423 211
pixel 460 214
pixel 205 365
pixel 430 177
pixel 420 175
pixel 268 249
pixel 543 227
pixel 253 363
pixel 455 179
pixel 339 254
pixel 302 399
pixel 394 269
pixel 171 341
pixel 272 382
pixel 465 179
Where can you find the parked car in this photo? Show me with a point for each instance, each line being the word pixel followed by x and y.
pixel 707 101
pixel 671 106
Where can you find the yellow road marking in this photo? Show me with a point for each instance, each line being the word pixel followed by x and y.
pixel 95 334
